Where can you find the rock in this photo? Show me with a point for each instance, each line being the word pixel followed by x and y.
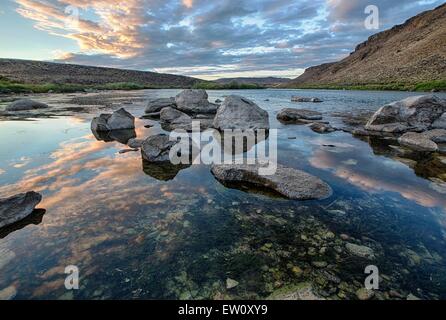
pixel 418 142
pixel 118 120
pixel 135 143
pixel 156 105
pixel 8 293
pixel 163 171
pixel 415 114
pixel 230 283
pixel 321 127
pixel 156 148
pixel 194 101
pixel 412 297
pixel 319 264
pixel 436 135
pixel 240 113
pixel 218 101
pixel 440 123
pixel 172 119
pixel 18 207
pixel 302 291
pixel 121 136
pixel 360 251
pixel 128 150
pixel 304 99
pixel 364 294
pixel 26 104
pixel 297 115
pixel 289 182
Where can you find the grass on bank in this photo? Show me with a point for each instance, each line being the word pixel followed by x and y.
pixel 228 86
pixel 437 85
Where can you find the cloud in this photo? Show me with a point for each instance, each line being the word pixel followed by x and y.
pixel 242 37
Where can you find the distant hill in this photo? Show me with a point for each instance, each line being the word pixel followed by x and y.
pixel 37 72
pixel 267 82
pixel 411 53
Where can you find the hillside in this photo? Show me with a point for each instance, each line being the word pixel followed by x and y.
pixel 408 54
pixel 266 82
pixel 39 73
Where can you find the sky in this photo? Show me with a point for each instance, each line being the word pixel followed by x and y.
pixel 208 39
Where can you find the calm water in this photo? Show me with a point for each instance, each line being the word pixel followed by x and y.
pixel 136 231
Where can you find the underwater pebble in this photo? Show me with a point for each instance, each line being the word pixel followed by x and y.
pixel 319 264
pixel 364 294
pixel 231 283
pixel 412 297
pixel 360 251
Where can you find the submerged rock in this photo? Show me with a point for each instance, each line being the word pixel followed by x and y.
pixel 304 99
pixel 18 207
pixel 194 101
pixel 412 114
pixel 156 105
pixel 296 115
pixel 26 104
pixel 231 283
pixel 302 291
pixel 289 182
pixel 364 294
pixel 321 127
pixel 118 120
pixel 418 142
pixel 360 251
pixel 237 112
pixel 162 171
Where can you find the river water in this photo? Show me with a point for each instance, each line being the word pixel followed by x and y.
pixel 137 231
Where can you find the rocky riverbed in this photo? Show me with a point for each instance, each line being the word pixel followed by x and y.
pixel 141 229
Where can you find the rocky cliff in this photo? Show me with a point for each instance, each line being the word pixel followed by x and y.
pixel 412 52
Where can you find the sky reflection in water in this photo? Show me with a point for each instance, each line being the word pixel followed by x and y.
pixel 134 236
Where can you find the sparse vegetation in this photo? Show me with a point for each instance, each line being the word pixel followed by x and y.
pixel 228 86
pixel 7 86
pixel 439 85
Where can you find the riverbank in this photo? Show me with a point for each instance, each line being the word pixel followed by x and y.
pixel 438 85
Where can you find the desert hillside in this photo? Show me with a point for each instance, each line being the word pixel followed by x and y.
pixel 36 72
pixel 413 52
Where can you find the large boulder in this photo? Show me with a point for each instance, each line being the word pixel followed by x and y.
pixel 18 207
pixel 26 104
pixel 194 101
pixel 156 105
pixel 289 182
pixel 240 113
pixel 412 114
pixel 173 119
pixel 298 115
pixel 417 142
pixel 118 120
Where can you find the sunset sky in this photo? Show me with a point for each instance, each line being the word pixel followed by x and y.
pixel 208 39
